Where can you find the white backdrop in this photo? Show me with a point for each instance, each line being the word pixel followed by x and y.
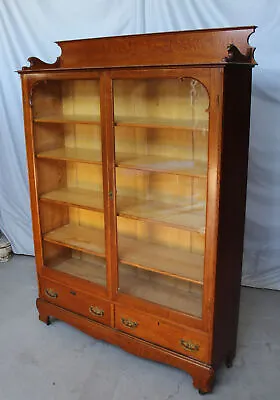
pixel 29 28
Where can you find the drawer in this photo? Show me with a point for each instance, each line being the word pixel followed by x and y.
pixel 76 301
pixel 186 341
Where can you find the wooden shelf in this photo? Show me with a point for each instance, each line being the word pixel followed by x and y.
pixel 140 254
pixel 73 154
pixel 87 199
pixel 69 119
pixel 157 292
pixel 162 123
pixel 189 217
pixel 80 238
pixel 162 164
pixel 93 272
pixel 164 260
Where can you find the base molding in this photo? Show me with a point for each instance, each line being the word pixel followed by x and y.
pixel 202 374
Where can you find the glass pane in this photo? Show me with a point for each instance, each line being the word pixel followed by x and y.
pixel 161 144
pixel 170 292
pixel 66 121
pixel 77 263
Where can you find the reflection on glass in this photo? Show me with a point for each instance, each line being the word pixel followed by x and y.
pixel 161 145
pixel 169 292
pixel 66 120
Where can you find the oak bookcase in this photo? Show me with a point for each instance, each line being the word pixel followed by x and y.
pixel 137 153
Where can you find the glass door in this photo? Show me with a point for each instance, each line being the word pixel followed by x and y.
pixel 68 150
pixel 161 153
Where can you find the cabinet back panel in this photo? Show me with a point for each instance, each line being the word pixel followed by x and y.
pixel 53 216
pixel 75 263
pixel 51 175
pixel 161 188
pixel 53 252
pixel 83 136
pixel 161 98
pixel 55 174
pixel 162 235
pixel 81 97
pixel 46 98
pixel 171 143
pixel 89 219
pixel 67 97
pixel 48 137
pixel 78 174
pixel 85 176
pixel 169 292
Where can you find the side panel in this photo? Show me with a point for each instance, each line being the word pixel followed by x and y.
pixel 235 142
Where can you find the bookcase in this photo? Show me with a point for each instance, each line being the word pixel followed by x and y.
pixel 137 152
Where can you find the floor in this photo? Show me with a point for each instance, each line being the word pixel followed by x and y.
pixel 57 362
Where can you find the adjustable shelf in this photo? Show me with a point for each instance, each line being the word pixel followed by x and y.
pixel 166 165
pixel 90 271
pixel 149 122
pixel 172 262
pixel 140 254
pixel 72 154
pixel 88 240
pixel 188 216
pixel 160 292
pixel 74 196
pixel 69 119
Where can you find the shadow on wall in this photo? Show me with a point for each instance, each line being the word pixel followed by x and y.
pixel 261 262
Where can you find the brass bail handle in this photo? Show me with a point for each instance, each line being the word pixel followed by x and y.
pixel 98 312
pixel 51 293
pixel 188 345
pixel 129 323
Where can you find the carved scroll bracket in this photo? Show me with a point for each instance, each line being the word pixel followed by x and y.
pixel 235 56
pixel 36 63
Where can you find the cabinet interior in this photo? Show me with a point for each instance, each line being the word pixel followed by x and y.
pixel 161 152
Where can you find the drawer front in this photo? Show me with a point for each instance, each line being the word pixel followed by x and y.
pixel 186 341
pixel 76 301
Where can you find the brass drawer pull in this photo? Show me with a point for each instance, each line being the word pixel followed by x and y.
pixel 51 293
pixel 129 323
pixel 188 345
pixel 98 312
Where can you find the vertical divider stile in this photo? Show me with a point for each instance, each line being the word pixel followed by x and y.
pixel 109 181
pixel 28 110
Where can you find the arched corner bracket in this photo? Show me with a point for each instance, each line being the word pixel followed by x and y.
pixel 36 63
pixel 235 56
pixel 31 91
